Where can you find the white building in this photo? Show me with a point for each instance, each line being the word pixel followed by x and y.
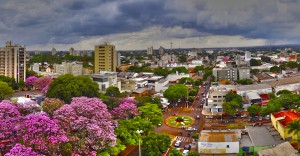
pixel 53 52
pixel 68 68
pixel 262 88
pixel 247 56
pixel 150 51
pixel 219 142
pixel 105 79
pixel 35 67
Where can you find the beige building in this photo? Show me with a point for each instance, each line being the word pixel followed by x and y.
pixel 71 51
pixel 68 68
pixel 13 61
pixel 150 51
pixel 105 58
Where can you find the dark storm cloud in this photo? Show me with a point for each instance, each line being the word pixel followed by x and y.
pixel 66 21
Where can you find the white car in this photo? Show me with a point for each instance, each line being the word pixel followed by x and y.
pixel 177 143
pixel 185 152
pixel 209 117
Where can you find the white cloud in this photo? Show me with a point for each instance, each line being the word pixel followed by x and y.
pixel 158 36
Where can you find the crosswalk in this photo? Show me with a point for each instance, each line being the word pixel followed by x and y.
pixel 196 109
pixel 184 139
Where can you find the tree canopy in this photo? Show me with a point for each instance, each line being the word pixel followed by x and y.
pixel 154 144
pixel 253 109
pixel 283 92
pixel 176 92
pixel 5 91
pixel 179 70
pixel 161 72
pixel 152 113
pixel 254 62
pixel 10 81
pixel 112 91
pixel 67 86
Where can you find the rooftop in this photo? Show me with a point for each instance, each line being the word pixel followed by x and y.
pixel 289 116
pixel 285 81
pixel 283 149
pixel 263 76
pixel 140 90
pixel 260 136
pixel 253 87
pixel 218 137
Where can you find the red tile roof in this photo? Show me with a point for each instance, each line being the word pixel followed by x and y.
pixel 289 117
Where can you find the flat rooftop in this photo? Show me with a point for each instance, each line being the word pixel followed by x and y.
pixel 260 136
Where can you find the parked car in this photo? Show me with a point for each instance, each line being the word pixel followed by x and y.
pixel 185 152
pixel 177 143
pixel 244 116
pixel 260 118
pixel 267 117
pixel 191 129
pixel 187 147
pixel 209 117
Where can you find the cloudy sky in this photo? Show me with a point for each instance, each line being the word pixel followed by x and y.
pixel 138 24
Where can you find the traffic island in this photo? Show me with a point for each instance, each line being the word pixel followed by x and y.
pixel 179 121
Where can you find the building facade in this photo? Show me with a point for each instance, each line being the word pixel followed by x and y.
pixel 225 74
pixel 243 73
pixel 105 79
pixel 68 68
pixel 71 51
pixel 53 52
pixel 150 51
pixel 13 61
pixel 105 58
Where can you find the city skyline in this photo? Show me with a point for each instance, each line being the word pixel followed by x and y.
pixel 139 24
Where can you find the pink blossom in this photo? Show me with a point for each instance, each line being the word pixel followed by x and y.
pixel 30 80
pixel 86 120
pixel 126 109
pixel 21 150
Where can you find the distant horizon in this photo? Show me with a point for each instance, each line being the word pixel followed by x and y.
pixel 139 24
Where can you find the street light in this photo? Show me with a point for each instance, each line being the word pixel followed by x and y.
pixel 139 132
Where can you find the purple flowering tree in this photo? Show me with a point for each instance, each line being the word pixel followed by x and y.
pixel 27 107
pixel 21 150
pixel 10 119
pixel 88 125
pixel 127 109
pixel 51 104
pixel 43 83
pixel 42 134
pixel 30 81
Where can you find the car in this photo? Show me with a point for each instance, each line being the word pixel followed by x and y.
pixel 185 152
pixel 244 116
pixel 267 117
pixel 260 118
pixel 191 129
pixel 177 143
pixel 187 147
pixel 197 98
pixel 209 117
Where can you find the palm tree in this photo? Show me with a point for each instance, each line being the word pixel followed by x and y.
pixel 294 127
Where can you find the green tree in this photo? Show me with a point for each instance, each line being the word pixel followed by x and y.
pixel 182 58
pixel 198 68
pixel 253 109
pixel 161 72
pixel 5 91
pixel 50 105
pixel 193 153
pixel 175 152
pixel 135 69
pixel 67 86
pixel 186 80
pixel 176 92
pixel 112 91
pixel 231 108
pixel 275 69
pixel 283 92
pixel 231 96
pixel 254 71
pixel 198 82
pixel 244 81
pixel 10 81
pixel 254 62
pixel 179 70
pixel 152 113
pixel 111 102
pixel 266 59
pixel 126 130
pixel 141 101
pixel 154 144
pixel 294 128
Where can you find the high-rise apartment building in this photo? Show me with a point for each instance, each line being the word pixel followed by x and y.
pixel 161 50
pixel 71 51
pixel 105 58
pixel 13 61
pixel 69 68
pixel 53 51
pixel 150 51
